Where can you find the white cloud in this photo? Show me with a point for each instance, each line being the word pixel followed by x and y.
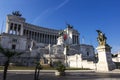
pixel 62 4
pixel 41 16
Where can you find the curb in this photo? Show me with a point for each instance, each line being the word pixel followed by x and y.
pixel 69 71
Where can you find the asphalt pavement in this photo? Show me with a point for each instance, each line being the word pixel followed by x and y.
pixel 70 75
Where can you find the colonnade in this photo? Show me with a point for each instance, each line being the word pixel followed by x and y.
pixel 14 28
pixel 75 39
pixel 41 37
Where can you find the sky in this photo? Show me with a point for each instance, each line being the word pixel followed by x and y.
pixel 86 16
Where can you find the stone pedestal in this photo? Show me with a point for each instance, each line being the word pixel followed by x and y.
pixel 105 62
pixel 65 53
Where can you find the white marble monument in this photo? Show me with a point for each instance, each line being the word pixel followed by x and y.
pixel 105 62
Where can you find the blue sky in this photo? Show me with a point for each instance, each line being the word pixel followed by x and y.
pixel 85 15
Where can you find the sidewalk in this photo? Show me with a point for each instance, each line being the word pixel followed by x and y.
pixel 113 71
pixel 69 71
pixel 50 70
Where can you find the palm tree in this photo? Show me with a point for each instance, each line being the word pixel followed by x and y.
pixel 37 70
pixel 8 54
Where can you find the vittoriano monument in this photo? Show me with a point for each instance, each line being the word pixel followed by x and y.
pixel 105 62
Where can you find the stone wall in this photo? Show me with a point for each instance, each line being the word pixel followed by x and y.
pixel 76 61
pixel 13 42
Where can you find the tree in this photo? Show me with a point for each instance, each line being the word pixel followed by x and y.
pixel 8 54
pixel 37 70
pixel 60 68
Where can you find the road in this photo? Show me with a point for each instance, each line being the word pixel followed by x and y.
pixel 25 75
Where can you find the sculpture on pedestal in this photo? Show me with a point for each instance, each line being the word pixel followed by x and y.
pixel 16 13
pixel 69 26
pixel 104 54
pixel 101 38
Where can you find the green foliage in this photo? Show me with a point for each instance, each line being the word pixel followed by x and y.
pixel 9 53
pixel 37 70
pixel 60 67
pixel 78 69
pixel 39 65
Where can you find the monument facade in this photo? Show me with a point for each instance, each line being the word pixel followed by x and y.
pixel 17 25
pixel 48 45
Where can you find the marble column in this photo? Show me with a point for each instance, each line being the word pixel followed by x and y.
pixel 31 34
pixel 42 38
pixel 25 32
pixel 48 38
pixel 55 39
pixel 45 38
pixel 75 39
pixel 52 39
pixel 13 28
pixel 21 30
pixel 39 37
pixel 78 40
pixel 8 25
pixel 28 34
pixel 35 36
pixel 47 41
pixel 17 30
